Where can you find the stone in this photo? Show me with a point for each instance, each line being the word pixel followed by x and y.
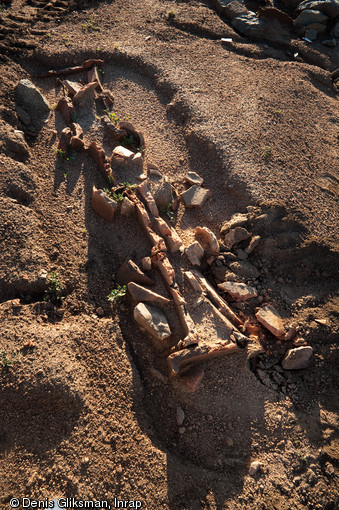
pixel 235 236
pixel 229 441
pixel 255 240
pixel 154 322
pixel 93 76
pixel 180 415
pixel 139 293
pixel 244 268
pixel 230 8
pixel 237 220
pixel 162 192
pixel 219 272
pixel 250 25
pixel 65 107
pixel 86 93
pixel 329 7
pixel 72 87
pixel 269 317
pixel 103 205
pixel 255 467
pixel 146 263
pixel 238 291
pixel 130 272
pixel 207 240
pixel 298 358
pixel 195 253
pixel 194 178
pixel 195 196
pixel 308 16
pixel 100 312
pixel 127 207
pixel 30 100
pixel 121 154
pixel 16 143
pixel 311 34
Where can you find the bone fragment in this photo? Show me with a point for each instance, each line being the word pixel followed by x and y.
pixel 71 70
pixel 180 359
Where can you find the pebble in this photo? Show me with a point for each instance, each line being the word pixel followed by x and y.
pixel 180 415
pixel 255 467
pixel 182 430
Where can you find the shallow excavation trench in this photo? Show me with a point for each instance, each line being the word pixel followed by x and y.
pixel 181 297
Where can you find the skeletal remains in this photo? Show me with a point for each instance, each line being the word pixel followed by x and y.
pixel 163 238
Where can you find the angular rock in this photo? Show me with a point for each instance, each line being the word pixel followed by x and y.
pixel 93 76
pixel 329 7
pixel 269 317
pixel 235 236
pixel 85 93
pixel 127 207
pixel 72 87
pixel 154 322
pixel 195 197
pixel 121 154
pixel 230 8
pixel 144 295
pixel 255 467
pixel 308 16
pixel 195 254
pixel 65 107
pixel 244 268
pixel 249 25
pixel 130 272
pixel 64 141
pixel 146 263
pixel 207 240
pixel 238 291
pixel 180 415
pixel 274 14
pixel 103 205
pixel 194 178
pixel 311 34
pixel 237 220
pixel 219 272
pixel 162 192
pixel 101 160
pixel 30 99
pixel 298 358
pixel 15 142
pixel 330 43
pixel 255 240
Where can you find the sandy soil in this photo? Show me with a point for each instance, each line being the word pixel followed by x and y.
pixel 87 410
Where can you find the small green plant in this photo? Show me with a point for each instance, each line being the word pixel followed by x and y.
pixel 168 211
pixel 3 7
pixel 110 180
pixel 7 361
pixel 118 197
pixel 171 14
pixel 85 231
pixel 53 294
pixel 60 153
pixel 129 185
pixel 47 35
pixel 267 154
pixel 101 71
pixel 116 46
pixel 113 116
pixel 276 111
pixel 89 27
pixel 117 293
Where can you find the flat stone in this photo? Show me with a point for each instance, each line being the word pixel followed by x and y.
pixel 86 93
pixel 15 142
pixel 127 207
pixel 249 25
pixel 103 205
pixel 244 268
pixel 238 291
pixel 235 236
pixel 230 8
pixel 195 197
pixel 162 191
pixel 195 253
pixel 154 322
pixel 30 99
pixel 139 293
pixel 121 154
pixel 298 358
pixel 309 16
pixel 237 220
pixel 329 7
pixel 207 240
pixel 130 272
pixel 194 178
pixel 269 317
